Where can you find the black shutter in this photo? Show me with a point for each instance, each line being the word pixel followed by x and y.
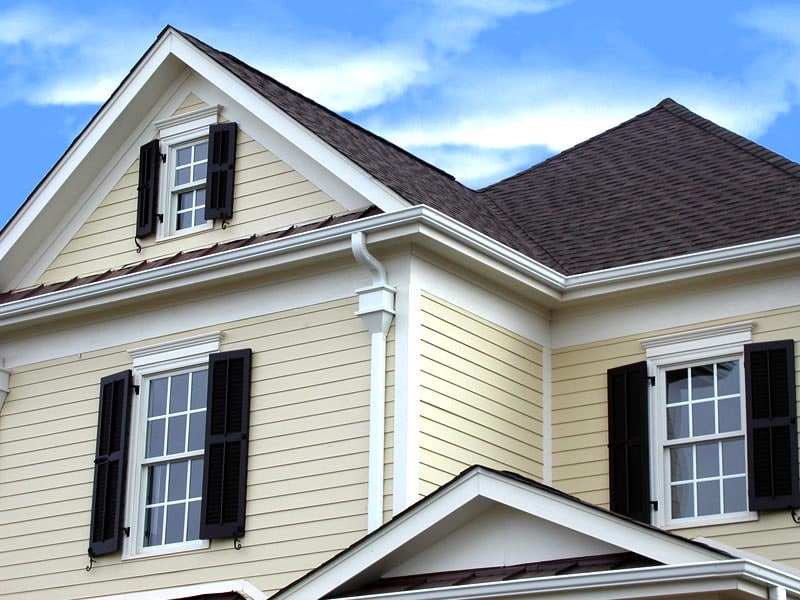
pixel 225 468
pixel 110 463
pixel 771 425
pixel 149 164
pixel 628 444
pixel 219 178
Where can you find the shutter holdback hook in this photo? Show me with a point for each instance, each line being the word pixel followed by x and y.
pixel 795 518
pixel 91 561
pixel 237 543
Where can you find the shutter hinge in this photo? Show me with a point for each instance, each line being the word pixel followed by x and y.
pixel 654 505
pixel 163 158
pixel 126 531
pixel 652 380
pixel 160 217
pixel 135 389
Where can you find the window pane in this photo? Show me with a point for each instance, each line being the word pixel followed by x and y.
pixel 176 439
pixel 197 430
pixel 708 497
pixel 677 422
pixel 185 200
pixel 196 482
pixel 156 483
pixel 681 464
pixel 158 397
pixel 155 438
pixel 707 460
pixel 730 414
pixel 154 526
pixel 677 386
pixel 183 176
pixel 175 523
pixel 193 521
pixel 184 220
pixel 682 501
pixel 735 494
pixel 200 172
pixel 703 418
pixel 199 389
pixel 183 156
pixel 178 472
pixel 702 382
pixel 179 393
pixel 201 151
pixel 733 457
pixel 728 378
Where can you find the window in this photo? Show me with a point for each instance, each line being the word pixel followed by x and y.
pixel 172 468
pixel 702 431
pixel 186 176
pixel 185 209
pixel 180 477
pixel 703 451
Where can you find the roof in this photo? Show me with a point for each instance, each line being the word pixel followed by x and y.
pixel 665 183
pixel 549 568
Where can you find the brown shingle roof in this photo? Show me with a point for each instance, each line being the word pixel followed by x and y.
pixel 665 183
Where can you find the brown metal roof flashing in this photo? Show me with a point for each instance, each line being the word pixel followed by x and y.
pixel 148 265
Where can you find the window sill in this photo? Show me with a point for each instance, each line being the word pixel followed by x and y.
pixel 167 549
pixel 165 237
pixel 714 520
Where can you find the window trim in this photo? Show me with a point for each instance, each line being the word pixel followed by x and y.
pixel 671 351
pixel 149 362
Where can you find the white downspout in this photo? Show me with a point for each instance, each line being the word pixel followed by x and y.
pixel 376 309
pixel 5 377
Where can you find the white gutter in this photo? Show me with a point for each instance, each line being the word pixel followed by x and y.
pixel 717 574
pixel 420 220
pixel 376 309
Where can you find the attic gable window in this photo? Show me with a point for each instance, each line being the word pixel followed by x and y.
pixel 186 175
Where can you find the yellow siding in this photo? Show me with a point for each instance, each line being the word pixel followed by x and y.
pixel 268 195
pixel 190 103
pixel 307 483
pixel 580 435
pixel 481 396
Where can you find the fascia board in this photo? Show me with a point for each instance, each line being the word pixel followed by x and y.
pixel 242 260
pixel 696 578
pixel 296 134
pixel 417 220
pixel 680 267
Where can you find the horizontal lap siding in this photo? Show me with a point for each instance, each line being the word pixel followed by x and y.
pixel 268 195
pixel 580 435
pixel 481 396
pixel 307 480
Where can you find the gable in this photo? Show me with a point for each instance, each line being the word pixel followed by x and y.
pixel 108 148
pixel 268 195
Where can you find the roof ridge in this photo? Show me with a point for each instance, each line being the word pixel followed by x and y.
pixel 755 149
pixel 330 112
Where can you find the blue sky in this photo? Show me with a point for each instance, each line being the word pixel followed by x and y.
pixel 481 88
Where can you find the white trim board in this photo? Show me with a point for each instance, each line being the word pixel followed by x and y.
pixel 271 298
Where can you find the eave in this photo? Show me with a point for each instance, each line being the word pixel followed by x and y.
pixel 418 224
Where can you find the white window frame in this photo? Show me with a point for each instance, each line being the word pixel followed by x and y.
pixel 150 362
pixel 175 132
pixel 673 351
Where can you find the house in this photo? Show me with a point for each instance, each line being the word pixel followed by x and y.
pixel 252 350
